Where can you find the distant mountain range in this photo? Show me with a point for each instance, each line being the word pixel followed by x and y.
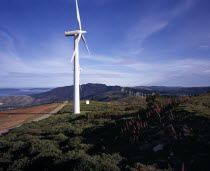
pixel 21 91
pixel 8 89
pixel 99 92
pixel 57 94
pixel 175 90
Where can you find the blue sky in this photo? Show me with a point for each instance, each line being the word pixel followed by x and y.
pixel 132 42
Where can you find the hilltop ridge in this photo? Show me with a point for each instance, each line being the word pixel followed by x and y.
pixel 98 92
pixel 56 94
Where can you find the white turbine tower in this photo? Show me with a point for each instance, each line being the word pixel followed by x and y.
pixel 78 34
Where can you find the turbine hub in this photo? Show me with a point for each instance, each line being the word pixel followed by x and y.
pixel 74 33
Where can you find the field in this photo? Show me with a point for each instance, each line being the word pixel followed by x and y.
pixel 13 118
pixel 156 134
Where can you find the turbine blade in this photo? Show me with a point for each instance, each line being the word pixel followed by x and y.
pixel 72 58
pixel 76 47
pixel 78 16
pixel 83 38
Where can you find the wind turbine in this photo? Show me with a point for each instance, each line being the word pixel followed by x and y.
pixel 78 34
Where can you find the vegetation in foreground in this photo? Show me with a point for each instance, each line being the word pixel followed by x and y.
pixel 162 134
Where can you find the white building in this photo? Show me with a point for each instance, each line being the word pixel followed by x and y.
pixel 87 102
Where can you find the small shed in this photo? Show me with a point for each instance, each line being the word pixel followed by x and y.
pixel 87 102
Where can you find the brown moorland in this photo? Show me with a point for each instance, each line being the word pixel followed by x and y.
pixel 13 118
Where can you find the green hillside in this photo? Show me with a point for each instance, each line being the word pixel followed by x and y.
pixel 128 134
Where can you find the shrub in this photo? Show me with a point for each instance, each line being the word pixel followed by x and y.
pixel 153 100
pixel 76 154
pixel 60 137
pixel 90 115
pixel 20 164
pixel 131 108
pixel 142 167
pixel 73 131
pixel 74 142
pixel 43 148
pixel 104 162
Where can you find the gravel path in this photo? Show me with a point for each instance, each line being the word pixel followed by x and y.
pixel 37 119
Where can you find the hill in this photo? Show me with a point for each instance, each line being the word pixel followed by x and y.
pixel 57 94
pixel 8 89
pixel 66 93
pixel 162 134
pixel 97 92
pixel 22 91
pixel 175 90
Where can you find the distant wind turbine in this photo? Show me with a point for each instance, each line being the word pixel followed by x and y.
pixel 78 34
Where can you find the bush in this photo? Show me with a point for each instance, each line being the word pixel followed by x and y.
pixel 152 100
pixel 60 137
pixel 131 108
pixel 74 142
pixel 43 148
pixel 73 131
pixel 90 115
pixel 76 155
pixel 20 164
pixel 142 167
pixel 104 162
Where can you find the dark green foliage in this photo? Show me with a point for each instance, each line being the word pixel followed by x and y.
pixel 198 105
pixel 103 162
pixel 153 100
pixel 93 106
pixel 96 139
pixel 131 108
pixel 142 167
pixel 174 132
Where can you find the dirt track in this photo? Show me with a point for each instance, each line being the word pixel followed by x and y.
pixel 13 118
pixel 51 113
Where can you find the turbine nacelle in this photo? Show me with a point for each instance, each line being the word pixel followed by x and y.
pixel 74 33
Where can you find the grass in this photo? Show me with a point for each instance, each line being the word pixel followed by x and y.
pixel 98 139
pixel 199 105
pixel 94 106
